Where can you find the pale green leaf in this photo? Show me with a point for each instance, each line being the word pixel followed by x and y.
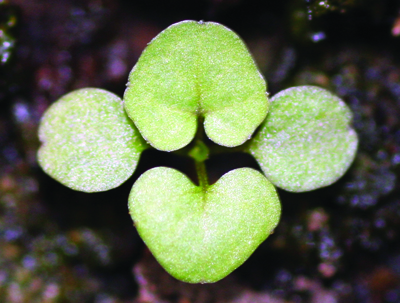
pixel 200 235
pixel 194 69
pixel 306 141
pixel 88 142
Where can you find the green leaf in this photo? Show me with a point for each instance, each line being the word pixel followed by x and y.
pixel 306 141
pixel 194 69
pixel 199 152
pixel 88 142
pixel 200 235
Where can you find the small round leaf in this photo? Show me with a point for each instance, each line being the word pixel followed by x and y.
pixel 200 235
pixel 196 69
pixel 88 142
pixel 306 141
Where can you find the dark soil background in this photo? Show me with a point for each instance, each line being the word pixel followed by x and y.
pixel 337 244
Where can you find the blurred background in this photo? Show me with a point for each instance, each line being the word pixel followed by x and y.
pixel 337 244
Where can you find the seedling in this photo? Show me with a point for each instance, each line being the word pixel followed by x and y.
pixel 195 78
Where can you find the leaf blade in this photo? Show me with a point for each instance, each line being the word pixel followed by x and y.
pixel 88 142
pixel 201 236
pixel 201 69
pixel 306 141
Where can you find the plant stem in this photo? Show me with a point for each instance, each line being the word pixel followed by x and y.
pixel 202 174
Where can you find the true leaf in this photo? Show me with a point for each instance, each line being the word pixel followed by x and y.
pixel 306 141
pixel 198 234
pixel 194 69
pixel 88 142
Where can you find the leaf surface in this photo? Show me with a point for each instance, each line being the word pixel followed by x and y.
pixel 306 141
pixel 201 235
pixel 194 69
pixel 88 142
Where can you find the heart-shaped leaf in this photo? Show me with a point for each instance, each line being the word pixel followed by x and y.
pixel 88 141
pixel 201 234
pixel 306 141
pixel 196 69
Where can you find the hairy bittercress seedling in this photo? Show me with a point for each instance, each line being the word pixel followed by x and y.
pixel 195 72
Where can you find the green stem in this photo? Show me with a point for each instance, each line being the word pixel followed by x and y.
pixel 202 174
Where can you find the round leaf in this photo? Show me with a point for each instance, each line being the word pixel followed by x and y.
pixel 200 235
pixel 306 141
pixel 88 142
pixel 196 69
